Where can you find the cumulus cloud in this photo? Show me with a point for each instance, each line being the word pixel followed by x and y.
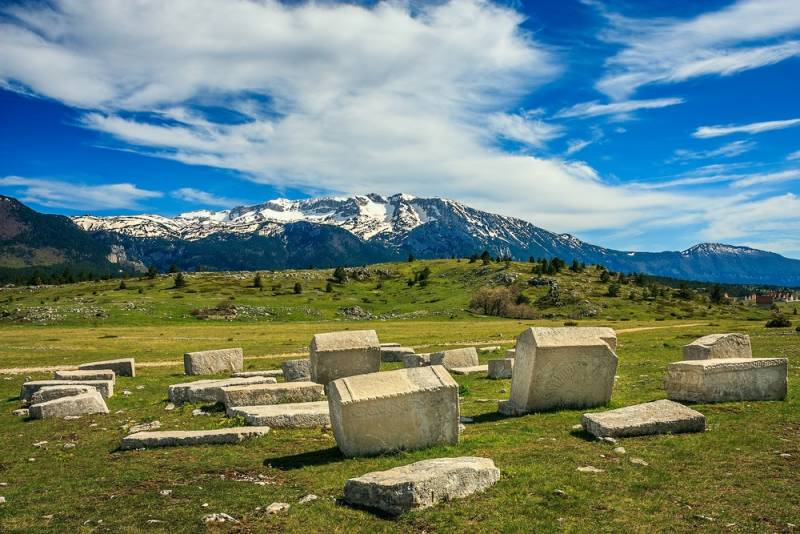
pixel 196 196
pixel 619 109
pixel 752 128
pixel 80 197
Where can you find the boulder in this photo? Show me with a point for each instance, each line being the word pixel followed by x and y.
pixel 718 346
pixel 501 368
pixel 466 357
pixel 294 415
pixel 74 405
pixel 395 354
pixel 274 373
pixel 727 379
pixel 296 370
pixel 210 390
pixel 658 417
pixel 121 367
pixel 49 393
pixel 105 387
pixel 416 360
pixel 474 369
pixel 402 409
pixel 89 374
pixel 340 354
pixel 261 394
pixel 209 362
pixel 177 438
pixel 421 484
pixel 560 368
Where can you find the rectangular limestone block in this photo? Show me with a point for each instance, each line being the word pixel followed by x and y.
pixel 402 409
pixel 210 390
pixel 340 354
pixel 297 370
pixel 121 367
pixel 293 415
pixel 603 332
pixel 390 345
pixel 466 357
pixel 105 387
pixel 658 417
pixel 395 354
pixel 501 368
pixel 274 373
pixel 416 360
pixel 475 369
pixel 177 438
pixel 727 379
pixel 561 368
pixel 96 374
pixel 83 404
pixel 261 394
pixel 718 346
pixel 209 362
pixel 421 484
pixel 49 393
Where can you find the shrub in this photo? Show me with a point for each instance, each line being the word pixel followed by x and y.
pixel 258 282
pixel 122 285
pixel 328 287
pixel 570 323
pixel 298 288
pixel 613 289
pixel 500 302
pixel 179 281
pixel 778 320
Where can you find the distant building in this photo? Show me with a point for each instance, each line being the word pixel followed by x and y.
pixel 765 301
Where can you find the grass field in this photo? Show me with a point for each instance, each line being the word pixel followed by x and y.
pixel 729 479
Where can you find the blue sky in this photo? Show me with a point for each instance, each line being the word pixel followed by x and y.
pixel 647 125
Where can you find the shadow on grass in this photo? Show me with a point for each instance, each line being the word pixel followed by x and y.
pixel 305 459
pixel 582 434
pixel 488 417
pixel 380 514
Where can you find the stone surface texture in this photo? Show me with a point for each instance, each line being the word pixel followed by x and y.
pixel 176 438
pixel 466 357
pixel 262 394
pixel 83 404
pixel 297 370
pixel 89 374
pixel 482 369
pixel 501 368
pixel 210 390
pixel 274 373
pixel 105 387
pixel 727 379
pixel 293 415
pixel 511 353
pixel 718 346
pixel 416 360
pixel 658 417
pixel 421 484
pixel 209 362
pixel 49 393
pixel 339 354
pixel 402 409
pixel 121 367
pixel 395 354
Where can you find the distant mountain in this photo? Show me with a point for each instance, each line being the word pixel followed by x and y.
pixel 326 232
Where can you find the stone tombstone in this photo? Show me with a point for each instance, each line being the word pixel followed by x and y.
pixel 727 379
pixel 296 370
pixel 501 368
pixel 210 390
pixel 416 360
pixel 395 354
pixel 340 354
pixel 560 368
pixel 394 410
pixel 209 362
pixel 121 367
pixel 292 415
pixel 466 357
pixel 49 393
pixel 260 394
pixel 718 346
pixel 73 405
pixel 87 374
pixel 657 417
pixel 105 387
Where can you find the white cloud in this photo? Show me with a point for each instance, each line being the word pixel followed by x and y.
pixel 734 180
pixel 753 128
pixel 81 197
pixel 196 196
pixel 576 145
pixel 793 156
pixel 756 220
pixel 739 37
pixel 524 128
pixel 728 150
pixel 622 109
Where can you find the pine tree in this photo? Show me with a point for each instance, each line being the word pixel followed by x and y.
pixel 328 287
pixel 340 275
pixel 173 268
pixel 258 282
pixel 180 281
pixel 298 288
pixel 122 285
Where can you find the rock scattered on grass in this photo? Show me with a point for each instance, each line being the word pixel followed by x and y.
pixel 169 407
pixel 165 493
pixel 2 500
pixel 619 451
pixel 197 411
pixel 69 445
pixel 22 412
pixel 560 493
pixel 590 469
pixel 277 508
pixel 144 427
pixel 127 392
pixel 40 444
pixel 219 518
pixel 308 498
pixel 639 461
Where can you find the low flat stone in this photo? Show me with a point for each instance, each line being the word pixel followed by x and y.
pixel 274 373
pixel 727 379
pixel 491 348
pixel 83 404
pixel 121 367
pixel 421 484
pixel 466 357
pixel 209 362
pixel 395 354
pixel 49 393
pixel 297 370
pixel 178 438
pixel 391 344
pixel 89 374
pixel 470 370
pixel 293 415
pixel 718 346
pixel 501 368
pixel 261 394
pixel 210 390
pixel 659 417
pixel 105 387
pixel 416 360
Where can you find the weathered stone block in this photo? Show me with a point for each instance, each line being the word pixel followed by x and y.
pixel 501 368
pixel 728 379
pixel 466 357
pixel 209 362
pixel 390 345
pixel 421 484
pixel 294 415
pixel 718 346
pixel 148 440
pixel 395 354
pixel 297 370
pixel 274 373
pixel 482 369
pixel 105 387
pixel 261 394
pixel 603 332
pixel 560 368
pixel 340 354
pixel 659 417
pixel 121 367
pixel 49 393
pixel 83 404
pixel 402 409
pixel 416 360
pixel 210 390
pixel 89 374
pixel 511 353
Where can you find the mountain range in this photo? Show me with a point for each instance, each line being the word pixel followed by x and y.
pixel 326 232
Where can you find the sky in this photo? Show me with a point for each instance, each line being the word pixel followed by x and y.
pixel 632 124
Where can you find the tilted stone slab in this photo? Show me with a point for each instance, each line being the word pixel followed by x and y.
pixel 83 404
pixel 421 484
pixel 209 362
pixel 49 393
pixel 210 390
pixel 105 387
pixel 176 438
pixel 450 359
pixel 297 370
pixel 121 366
pixel 261 394
pixel 395 354
pixel 560 368
pixel 402 409
pixel 94 374
pixel 727 379
pixel 416 360
pixel 293 415
pixel 274 373
pixel 339 354
pixel 658 417
pixel 482 369
pixel 718 346
pixel 501 368
pixel 392 344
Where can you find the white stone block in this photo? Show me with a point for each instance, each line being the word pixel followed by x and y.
pixel 339 354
